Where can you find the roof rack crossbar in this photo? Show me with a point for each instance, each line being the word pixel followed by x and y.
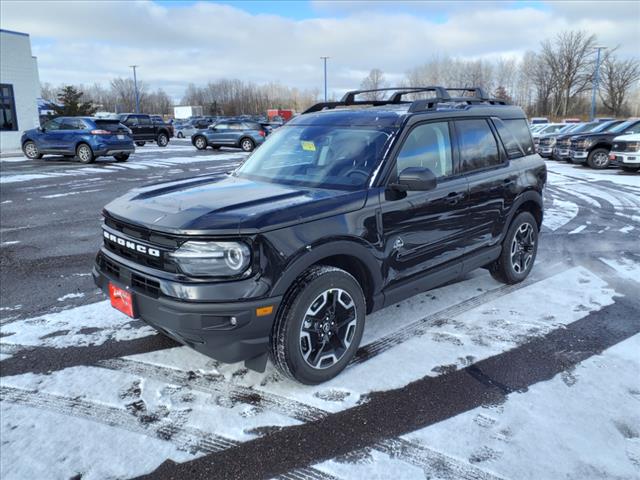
pixel 441 95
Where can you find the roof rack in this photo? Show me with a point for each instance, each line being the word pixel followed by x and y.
pixel 441 95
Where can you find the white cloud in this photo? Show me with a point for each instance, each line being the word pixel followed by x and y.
pixel 83 42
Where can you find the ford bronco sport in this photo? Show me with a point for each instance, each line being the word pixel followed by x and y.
pixel 350 207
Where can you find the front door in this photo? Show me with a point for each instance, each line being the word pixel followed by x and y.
pixel 424 229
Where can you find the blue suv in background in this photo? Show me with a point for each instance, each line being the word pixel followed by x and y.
pixel 85 138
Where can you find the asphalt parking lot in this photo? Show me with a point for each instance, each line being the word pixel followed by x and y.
pixel 474 380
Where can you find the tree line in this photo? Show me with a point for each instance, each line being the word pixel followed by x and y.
pixel 555 81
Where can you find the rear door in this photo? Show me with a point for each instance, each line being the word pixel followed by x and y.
pixel 424 229
pixel 491 182
pixel 146 127
pixel 70 132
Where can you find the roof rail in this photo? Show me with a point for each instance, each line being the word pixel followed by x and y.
pixel 441 95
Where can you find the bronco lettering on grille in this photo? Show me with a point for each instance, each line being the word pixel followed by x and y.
pixel 136 247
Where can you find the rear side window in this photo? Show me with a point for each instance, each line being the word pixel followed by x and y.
pixel 72 124
pixel 520 131
pixel 511 144
pixel 427 146
pixel 478 147
pixel 236 126
pixel 144 120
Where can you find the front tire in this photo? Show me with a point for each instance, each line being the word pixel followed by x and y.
pixel 30 149
pixel 598 158
pixel 121 157
pixel 163 140
pixel 519 250
pixel 84 153
pixel 319 325
pixel 247 145
pixel 200 142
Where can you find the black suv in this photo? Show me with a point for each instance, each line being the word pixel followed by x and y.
pixel 147 128
pixel 350 207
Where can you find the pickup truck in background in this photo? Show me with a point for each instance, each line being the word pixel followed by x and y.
pixel 146 129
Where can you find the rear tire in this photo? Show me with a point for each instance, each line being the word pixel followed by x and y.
pixel 318 326
pixel 519 250
pixel 247 145
pixel 84 153
pixel 121 157
pixel 200 142
pixel 162 140
pixel 598 158
pixel 30 150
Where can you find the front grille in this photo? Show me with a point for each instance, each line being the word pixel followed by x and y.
pixel 110 267
pixel 161 242
pixel 545 142
pixel 145 285
pixel 563 144
pixel 578 144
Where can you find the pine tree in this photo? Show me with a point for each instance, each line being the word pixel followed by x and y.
pixel 70 104
pixel 502 94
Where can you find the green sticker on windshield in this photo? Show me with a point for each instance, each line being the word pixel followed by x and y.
pixel 310 146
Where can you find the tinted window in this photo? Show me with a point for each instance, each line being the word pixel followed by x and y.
pixel 511 144
pixel 478 147
pixel 144 120
pixel 52 124
pixel 72 124
pixel 519 130
pixel 111 125
pixel 8 120
pixel 130 121
pixel 627 128
pixel 427 146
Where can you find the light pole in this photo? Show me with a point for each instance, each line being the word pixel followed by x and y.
pixel 135 84
pixel 596 79
pixel 325 76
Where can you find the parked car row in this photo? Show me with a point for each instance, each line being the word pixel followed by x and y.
pixel 594 144
pixel 245 135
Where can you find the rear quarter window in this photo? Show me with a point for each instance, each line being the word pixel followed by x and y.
pixel 520 130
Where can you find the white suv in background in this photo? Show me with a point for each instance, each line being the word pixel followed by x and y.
pixel 625 152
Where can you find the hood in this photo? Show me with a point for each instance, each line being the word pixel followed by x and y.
pixel 632 137
pixel 585 136
pixel 228 205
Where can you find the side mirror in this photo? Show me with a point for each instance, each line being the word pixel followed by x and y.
pixel 416 179
pixel 41 129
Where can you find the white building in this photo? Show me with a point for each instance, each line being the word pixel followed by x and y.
pixel 19 88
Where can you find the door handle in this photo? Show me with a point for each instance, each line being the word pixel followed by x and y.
pixel 454 197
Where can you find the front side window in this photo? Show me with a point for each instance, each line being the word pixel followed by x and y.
pixel 8 119
pixel 319 156
pixel 52 124
pixel 478 147
pixel 427 146
pixel 131 121
pixel 142 120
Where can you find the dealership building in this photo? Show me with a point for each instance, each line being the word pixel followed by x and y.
pixel 19 88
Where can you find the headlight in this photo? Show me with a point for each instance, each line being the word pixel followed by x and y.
pixel 552 142
pixel 212 259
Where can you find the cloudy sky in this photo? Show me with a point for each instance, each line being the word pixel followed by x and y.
pixel 177 42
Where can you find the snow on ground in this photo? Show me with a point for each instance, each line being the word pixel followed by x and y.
pixel 559 214
pixel 91 324
pixel 134 163
pixel 585 421
pixel 626 267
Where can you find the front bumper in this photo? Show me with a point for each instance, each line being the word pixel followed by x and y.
pixel 546 152
pixel 579 156
pixel 626 158
pixel 227 331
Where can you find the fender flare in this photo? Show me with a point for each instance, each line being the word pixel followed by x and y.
pixel 528 196
pixel 307 257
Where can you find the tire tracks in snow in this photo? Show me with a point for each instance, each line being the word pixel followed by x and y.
pixel 190 439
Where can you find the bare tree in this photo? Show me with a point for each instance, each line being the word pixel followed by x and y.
pixel 125 94
pixel 373 81
pixel 570 61
pixel 616 79
pixel 48 92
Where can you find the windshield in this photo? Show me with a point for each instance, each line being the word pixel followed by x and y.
pixel 603 127
pixel 621 127
pixel 318 156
